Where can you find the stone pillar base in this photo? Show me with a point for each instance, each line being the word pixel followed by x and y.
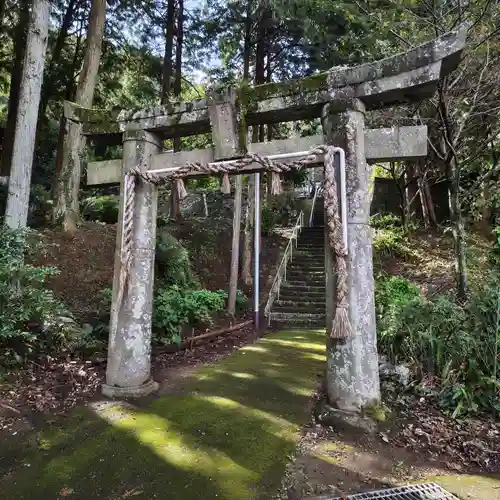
pixel 113 391
pixel 345 420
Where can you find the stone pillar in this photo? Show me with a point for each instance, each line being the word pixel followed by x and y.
pixel 352 380
pixel 128 372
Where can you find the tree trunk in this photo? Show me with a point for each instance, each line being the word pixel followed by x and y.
pixel 269 130
pixel 70 92
pixel 166 82
pixel 48 82
pixel 403 195
pixel 166 88
pixel 246 265
pixel 15 84
pixel 421 190
pixel 486 212
pixel 458 230
pixel 66 208
pixel 16 213
pixel 452 169
pixel 429 200
pixel 178 61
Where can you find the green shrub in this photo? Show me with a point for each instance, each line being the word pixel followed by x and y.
pixel 391 243
pixel 268 221
pixel 385 221
pixel 101 208
pixel 241 299
pixel 393 292
pixel 495 249
pixel 31 318
pixel 174 309
pixel 456 344
pixel 172 262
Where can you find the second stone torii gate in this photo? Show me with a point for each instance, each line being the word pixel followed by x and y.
pixel 340 98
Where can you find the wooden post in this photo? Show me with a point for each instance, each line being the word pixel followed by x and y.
pixel 227 144
pixel 235 249
pixel 128 372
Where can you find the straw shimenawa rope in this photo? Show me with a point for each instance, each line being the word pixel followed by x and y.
pixel 341 325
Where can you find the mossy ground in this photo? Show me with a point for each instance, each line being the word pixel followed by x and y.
pixel 228 435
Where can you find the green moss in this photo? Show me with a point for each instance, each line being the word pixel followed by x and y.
pixel 376 411
pixel 469 486
pixel 292 87
pixel 227 436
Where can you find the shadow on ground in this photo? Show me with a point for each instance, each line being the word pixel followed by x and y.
pixel 227 435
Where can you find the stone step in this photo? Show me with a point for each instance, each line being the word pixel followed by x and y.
pixel 294 319
pixel 311 242
pixel 303 255
pixel 310 247
pixel 312 234
pixel 310 261
pixel 309 267
pixel 311 264
pixel 316 301
pixel 310 250
pixel 306 271
pixel 309 278
pixel 288 295
pixel 302 309
pixel 302 286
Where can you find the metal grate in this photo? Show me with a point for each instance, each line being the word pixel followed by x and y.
pixel 428 491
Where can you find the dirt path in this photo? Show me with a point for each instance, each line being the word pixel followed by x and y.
pixel 339 462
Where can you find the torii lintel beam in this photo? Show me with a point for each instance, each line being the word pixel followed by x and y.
pixel 407 77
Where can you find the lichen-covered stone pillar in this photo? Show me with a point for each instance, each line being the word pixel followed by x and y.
pixel 128 371
pixel 352 378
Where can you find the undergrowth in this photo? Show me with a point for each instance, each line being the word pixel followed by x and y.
pixel 179 303
pixel 390 238
pixel 452 348
pixel 32 319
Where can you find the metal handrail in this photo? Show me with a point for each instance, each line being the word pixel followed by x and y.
pixel 317 192
pixel 281 272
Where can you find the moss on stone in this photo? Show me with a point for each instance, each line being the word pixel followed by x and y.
pixel 376 411
pixel 228 436
pixel 292 87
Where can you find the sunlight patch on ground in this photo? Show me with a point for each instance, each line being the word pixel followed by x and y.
pixel 226 436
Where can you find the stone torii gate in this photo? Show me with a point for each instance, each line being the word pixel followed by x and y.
pixel 340 98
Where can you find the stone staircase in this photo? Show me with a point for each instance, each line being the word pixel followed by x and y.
pixel 302 296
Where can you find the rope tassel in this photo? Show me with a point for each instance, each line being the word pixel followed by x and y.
pixel 275 183
pixel 226 184
pixel 181 189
